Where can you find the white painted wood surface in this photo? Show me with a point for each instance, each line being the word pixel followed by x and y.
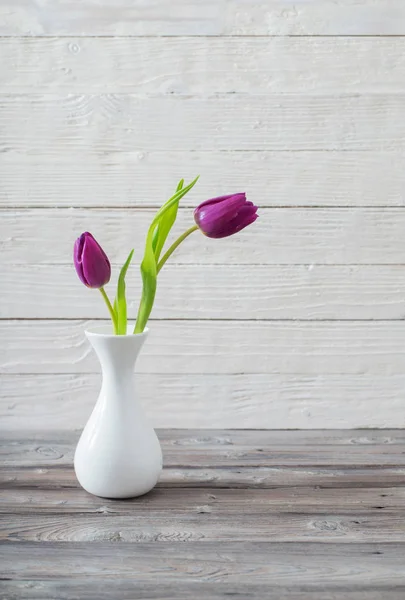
pixel 287 347
pixel 211 17
pixel 64 401
pixel 269 292
pixel 127 122
pixel 184 66
pixel 280 236
pixel 129 179
pixel 297 322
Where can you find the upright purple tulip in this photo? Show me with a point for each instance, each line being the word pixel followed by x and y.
pixel 226 215
pixel 91 262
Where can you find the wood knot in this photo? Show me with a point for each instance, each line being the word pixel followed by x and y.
pixel 203 509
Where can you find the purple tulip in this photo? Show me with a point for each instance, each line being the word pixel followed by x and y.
pixel 91 262
pixel 226 215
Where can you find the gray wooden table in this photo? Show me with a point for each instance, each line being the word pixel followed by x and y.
pixel 237 514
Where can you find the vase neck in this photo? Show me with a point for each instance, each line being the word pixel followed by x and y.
pixel 116 353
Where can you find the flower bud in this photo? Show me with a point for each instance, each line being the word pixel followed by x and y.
pixel 91 262
pixel 226 215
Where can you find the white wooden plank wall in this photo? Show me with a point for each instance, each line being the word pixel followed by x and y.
pixel 296 323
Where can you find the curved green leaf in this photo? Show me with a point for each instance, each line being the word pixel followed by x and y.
pixel 155 239
pixel 120 303
pixel 165 224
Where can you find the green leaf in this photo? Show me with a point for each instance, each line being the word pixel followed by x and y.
pixel 177 197
pixel 149 280
pixel 120 302
pixel 155 239
pixel 165 224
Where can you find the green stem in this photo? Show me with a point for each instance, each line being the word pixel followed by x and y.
pixel 111 310
pixel 174 246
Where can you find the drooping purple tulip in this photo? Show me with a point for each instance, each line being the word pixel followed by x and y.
pixel 226 215
pixel 91 262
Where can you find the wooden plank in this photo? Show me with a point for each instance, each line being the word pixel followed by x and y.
pixel 186 505
pixel 42 451
pixel 130 179
pixel 185 17
pixel 280 236
pixel 232 562
pixel 315 17
pixel 53 123
pixel 208 292
pixel 326 347
pixel 53 477
pixel 316 529
pixel 105 17
pixel 257 437
pixel 64 402
pixel 101 588
pixel 184 66
pixel 167 527
pixel 248 438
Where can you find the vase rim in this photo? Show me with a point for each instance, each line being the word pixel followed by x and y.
pixel 104 331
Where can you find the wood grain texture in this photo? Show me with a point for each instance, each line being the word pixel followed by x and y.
pixel 184 66
pixel 185 17
pixel 141 178
pixel 315 17
pixel 185 505
pixel 301 105
pixel 262 562
pixel 280 236
pixel 167 527
pixel 224 449
pixel 129 122
pixel 241 477
pixel 103 589
pixel 248 438
pixel 310 348
pixel 46 402
pixel 209 292
pixel 295 527
pixel 105 17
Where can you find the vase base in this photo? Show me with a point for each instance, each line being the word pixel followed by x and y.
pixel 116 493
pixel 124 497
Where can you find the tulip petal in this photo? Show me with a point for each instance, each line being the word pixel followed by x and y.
pixel 220 199
pixel 225 216
pixel 248 219
pixel 77 258
pixel 212 217
pixel 91 262
pixel 94 269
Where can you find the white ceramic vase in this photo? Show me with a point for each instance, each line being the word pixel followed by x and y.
pixel 118 454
